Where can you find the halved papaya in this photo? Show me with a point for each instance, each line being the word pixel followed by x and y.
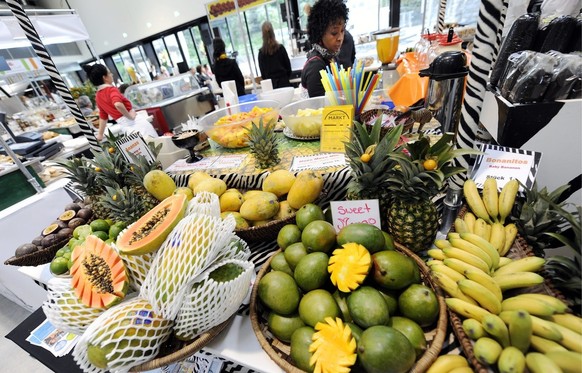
pixel 98 274
pixel 149 232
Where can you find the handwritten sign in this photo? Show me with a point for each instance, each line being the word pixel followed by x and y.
pixel 136 145
pixel 335 128
pixel 505 163
pixel 348 212
pixel 317 161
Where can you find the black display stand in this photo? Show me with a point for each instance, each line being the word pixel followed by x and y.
pixel 19 334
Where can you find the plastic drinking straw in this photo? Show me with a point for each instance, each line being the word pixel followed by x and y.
pixel 368 93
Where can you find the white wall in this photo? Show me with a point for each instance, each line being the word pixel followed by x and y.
pixel 107 20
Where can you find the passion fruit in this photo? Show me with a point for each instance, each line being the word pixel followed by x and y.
pixel 85 213
pixel 67 215
pixel 37 241
pixel 53 228
pixel 65 233
pixel 25 249
pixel 49 240
pixel 75 222
pixel 72 206
pixel 61 224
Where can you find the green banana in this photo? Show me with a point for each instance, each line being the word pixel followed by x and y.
pixel 470 219
pixel 570 362
pixel 487 350
pixel 527 264
pixel 511 360
pixel 497 237
pixel 520 330
pixel 453 252
pixel 507 199
pixel 474 329
pixel 491 198
pixel 467 246
pixel 496 327
pixel 482 229
pixel 460 226
pixel 485 280
pixel 545 345
pixel 466 309
pixel 532 306
pixel 510 234
pixel 517 280
pixel 481 294
pixel 557 304
pixel 442 268
pixel 474 200
pixel 540 363
pixel 484 245
pixel 569 321
pixel 451 287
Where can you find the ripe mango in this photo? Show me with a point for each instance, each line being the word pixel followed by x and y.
pixel 260 207
pixel 278 182
pixel 306 188
pixel 284 211
pixel 196 178
pixel 231 200
pixel 159 184
pixel 212 185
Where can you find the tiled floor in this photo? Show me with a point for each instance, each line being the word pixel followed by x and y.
pixel 15 359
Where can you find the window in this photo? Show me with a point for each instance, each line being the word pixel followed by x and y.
pixel 202 54
pixel 174 51
pixel 188 47
pixel 120 65
pixel 137 54
pixel 163 57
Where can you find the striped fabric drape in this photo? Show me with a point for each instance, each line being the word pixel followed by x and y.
pixel 441 16
pixel 32 35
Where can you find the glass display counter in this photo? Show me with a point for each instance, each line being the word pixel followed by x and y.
pixel 171 101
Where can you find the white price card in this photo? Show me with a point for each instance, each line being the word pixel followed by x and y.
pixel 348 212
pixel 504 163
pixel 317 161
pixel 228 161
pixel 136 145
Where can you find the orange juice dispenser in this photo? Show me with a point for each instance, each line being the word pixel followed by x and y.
pixel 386 47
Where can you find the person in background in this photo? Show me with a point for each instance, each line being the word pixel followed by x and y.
pixel 111 103
pixel 123 88
pixel 85 105
pixel 347 53
pixel 206 69
pixel 225 68
pixel 203 79
pixel 273 59
pixel 326 26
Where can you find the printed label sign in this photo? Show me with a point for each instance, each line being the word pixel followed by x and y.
pixel 348 212
pixel 317 161
pixel 136 145
pixel 335 128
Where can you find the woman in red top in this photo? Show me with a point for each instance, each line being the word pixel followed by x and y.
pixel 112 103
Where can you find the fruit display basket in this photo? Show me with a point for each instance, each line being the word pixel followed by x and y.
pixel 37 258
pixel 266 232
pixel 279 351
pixel 390 117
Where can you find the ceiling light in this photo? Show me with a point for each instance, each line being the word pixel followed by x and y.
pixel 124 34
pixel 176 13
pixel 149 25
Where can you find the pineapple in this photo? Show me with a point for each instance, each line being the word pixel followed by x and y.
pixel 412 217
pixel 368 158
pixel 123 204
pixel 263 143
pixel 83 176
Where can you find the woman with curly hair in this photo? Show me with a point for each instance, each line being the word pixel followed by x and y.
pixel 326 25
pixel 273 59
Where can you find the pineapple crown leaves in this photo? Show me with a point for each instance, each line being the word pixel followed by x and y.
pixel 443 151
pixel 411 181
pixel 571 234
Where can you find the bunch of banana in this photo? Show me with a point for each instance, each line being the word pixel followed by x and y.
pixel 488 213
pixel 450 363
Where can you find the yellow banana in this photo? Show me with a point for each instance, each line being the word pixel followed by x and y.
pixel 569 321
pixel 511 360
pixel 446 363
pixel 453 235
pixel 459 265
pixel 474 200
pixel 469 219
pixel 481 294
pixel 503 261
pixel 466 369
pixel 496 327
pixel 441 268
pixel 460 226
pixel 467 246
pixel 532 306
pixel 453 252
pixel 570 339
pixel 431 262
pixel 497 237
pixel 507 199
pixel 567 360
pixel 482 229
pixel 451 287
pixel 527 264
pixel 510 234
pixel 436 254
pixel 491 197
pixel 557 304
pixel 487 350
pixel 442 243
pixel 517 280
pixel 540 363
pixel 474 329
pixel 485 280
pixel 545 345
pixel 520 330
pixel 545 329
pixel 484 245
pixel 466 309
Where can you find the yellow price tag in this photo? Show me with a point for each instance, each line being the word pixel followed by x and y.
pixel 335 128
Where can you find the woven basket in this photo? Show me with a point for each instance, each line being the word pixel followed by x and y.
pixel 175 350
pixel 368 118
pixel 42 256
pixel 279 351
pixel 267 232
pixel 520 249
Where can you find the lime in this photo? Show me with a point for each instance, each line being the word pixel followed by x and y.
pixel 67 255
pixel 419 303
pixel 69 264
pixel 288 235
pixel 61 251
pixel 120 224
pixel 74 242
pixel 99 225
pixel 114 231
pixel 82 231
pixel 308 213
pixel 109 221
pixel 59 265
pixel 319 235
pixel 101 234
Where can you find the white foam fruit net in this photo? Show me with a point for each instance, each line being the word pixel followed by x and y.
pixel 191 247
pixel 64 309
pixel 204 203
pixel 236 249
pixel 214 297
pixel 124 336
pixel 137 267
